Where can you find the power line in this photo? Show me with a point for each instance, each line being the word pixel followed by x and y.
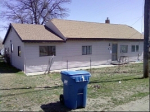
pixel 110 8
pixel 140 18
pixel 130 19
pixel 125 11
pixel 137 20
pixel 135 31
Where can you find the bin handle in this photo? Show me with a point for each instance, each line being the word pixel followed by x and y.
pixel 82 77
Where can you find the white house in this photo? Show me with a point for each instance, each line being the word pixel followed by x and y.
pixel 73 44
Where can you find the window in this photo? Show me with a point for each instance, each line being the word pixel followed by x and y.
pixel 86 50
pixel 123 48
pixel 11 47
pixel 137 48
pixel 134 48
pixel 19 51
pixel 83 50
pixel 47 50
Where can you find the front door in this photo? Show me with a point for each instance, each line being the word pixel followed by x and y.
pixel 114 52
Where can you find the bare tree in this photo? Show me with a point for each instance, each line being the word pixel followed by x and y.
pixel 34 11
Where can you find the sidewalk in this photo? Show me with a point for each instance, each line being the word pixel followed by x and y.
pixel 79 68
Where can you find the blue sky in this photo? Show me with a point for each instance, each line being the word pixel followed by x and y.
pixel 129 12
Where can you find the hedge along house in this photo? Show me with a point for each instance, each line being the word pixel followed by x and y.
pixel 66 44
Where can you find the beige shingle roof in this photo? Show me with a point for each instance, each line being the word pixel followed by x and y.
pixel 35 32
pixel 80 29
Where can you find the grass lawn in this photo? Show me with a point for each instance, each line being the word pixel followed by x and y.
pixel 108 87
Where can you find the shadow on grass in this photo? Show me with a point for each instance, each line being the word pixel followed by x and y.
pixel 56 106
pixel 30 90
pixel 127 79
pixel 6 68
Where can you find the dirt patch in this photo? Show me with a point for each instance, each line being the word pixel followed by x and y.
pixel 98 104
pixel 138 105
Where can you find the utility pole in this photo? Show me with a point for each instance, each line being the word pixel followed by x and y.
pixel 146 37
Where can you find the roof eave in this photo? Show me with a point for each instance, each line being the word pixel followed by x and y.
pixel 43 41
pixel 116 39
pixel 10 26
pixel 6 34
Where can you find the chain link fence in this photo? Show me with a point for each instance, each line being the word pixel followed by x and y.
pixel 78 63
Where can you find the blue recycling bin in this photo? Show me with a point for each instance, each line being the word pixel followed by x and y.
pixel 74 88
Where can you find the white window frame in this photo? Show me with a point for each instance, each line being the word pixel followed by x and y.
pixel 19 51
pixel 132 48
pixel 87 50
pixel 49 50
pixel 136 48
pixel 12 47
pixel 123 48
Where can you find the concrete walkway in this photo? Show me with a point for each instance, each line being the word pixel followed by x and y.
pixel 80 68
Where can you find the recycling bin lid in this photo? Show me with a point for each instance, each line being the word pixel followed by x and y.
pixel 79 72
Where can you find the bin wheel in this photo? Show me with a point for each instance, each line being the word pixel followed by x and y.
pixel 61 98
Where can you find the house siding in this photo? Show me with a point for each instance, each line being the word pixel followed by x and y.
pixel 69 54
pixel 133 56
pixel 13 38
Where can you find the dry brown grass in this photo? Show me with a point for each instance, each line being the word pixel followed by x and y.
pixel 30 93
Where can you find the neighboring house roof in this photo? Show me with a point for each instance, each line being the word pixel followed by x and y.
pixel 80 29
pixel 32 32
pixel 1 45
